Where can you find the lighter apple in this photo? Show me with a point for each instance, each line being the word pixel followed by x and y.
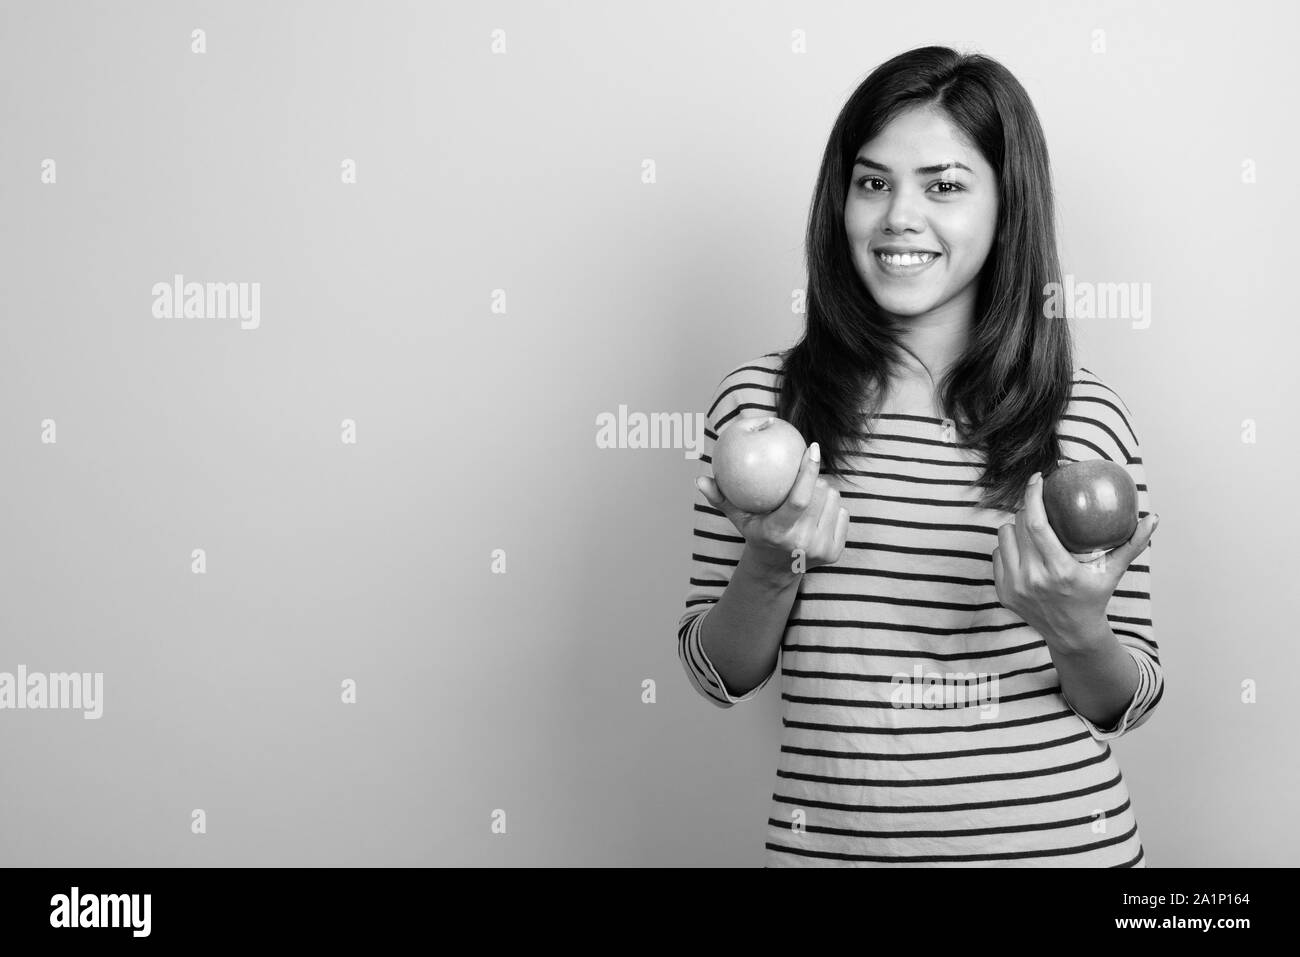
pixel 756 460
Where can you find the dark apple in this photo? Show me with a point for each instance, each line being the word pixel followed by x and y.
pixel 1091 506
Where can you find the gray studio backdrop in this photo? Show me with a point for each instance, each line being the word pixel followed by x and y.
pixel 362 585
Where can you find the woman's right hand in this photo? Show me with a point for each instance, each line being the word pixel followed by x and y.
pixel 810 518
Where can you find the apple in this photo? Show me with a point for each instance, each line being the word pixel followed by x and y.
pixel 1091 506
pixel 756 460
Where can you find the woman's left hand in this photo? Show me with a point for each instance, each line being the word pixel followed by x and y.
pixel 1061 598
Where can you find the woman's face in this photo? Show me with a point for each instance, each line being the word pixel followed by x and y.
pixel 898 199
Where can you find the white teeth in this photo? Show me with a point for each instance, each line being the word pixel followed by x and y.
pixel 906 259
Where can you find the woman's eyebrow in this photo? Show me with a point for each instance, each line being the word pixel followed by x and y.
pixel 920 170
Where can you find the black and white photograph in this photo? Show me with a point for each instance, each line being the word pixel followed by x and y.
pixel 678 435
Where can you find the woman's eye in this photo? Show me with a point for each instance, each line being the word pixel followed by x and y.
pixel 873 179
pixel 945 192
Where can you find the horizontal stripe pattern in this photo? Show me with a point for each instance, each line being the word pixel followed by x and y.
pixel 863 782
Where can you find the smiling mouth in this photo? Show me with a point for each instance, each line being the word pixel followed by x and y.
pixel 906 259
pixel 905 265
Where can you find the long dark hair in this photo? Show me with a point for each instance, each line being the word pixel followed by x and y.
pixel 1010 387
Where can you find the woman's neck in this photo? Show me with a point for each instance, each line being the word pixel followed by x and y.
pixel 912 395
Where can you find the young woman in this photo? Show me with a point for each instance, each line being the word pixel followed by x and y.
pixel 951 676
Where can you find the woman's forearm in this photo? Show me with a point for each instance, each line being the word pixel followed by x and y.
pixel 742 633
pixel 1100 681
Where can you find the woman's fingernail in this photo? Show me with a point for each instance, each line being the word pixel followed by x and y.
pixel 1154 522
pixel 699 484
pixel 1033 479
pixel 815 453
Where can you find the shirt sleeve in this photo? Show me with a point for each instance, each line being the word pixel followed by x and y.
pixel 1112 436
pixel 716 545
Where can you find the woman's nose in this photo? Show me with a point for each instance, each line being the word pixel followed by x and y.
pixel 903 214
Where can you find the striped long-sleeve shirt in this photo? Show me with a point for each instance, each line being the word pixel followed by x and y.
pixel 863 782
